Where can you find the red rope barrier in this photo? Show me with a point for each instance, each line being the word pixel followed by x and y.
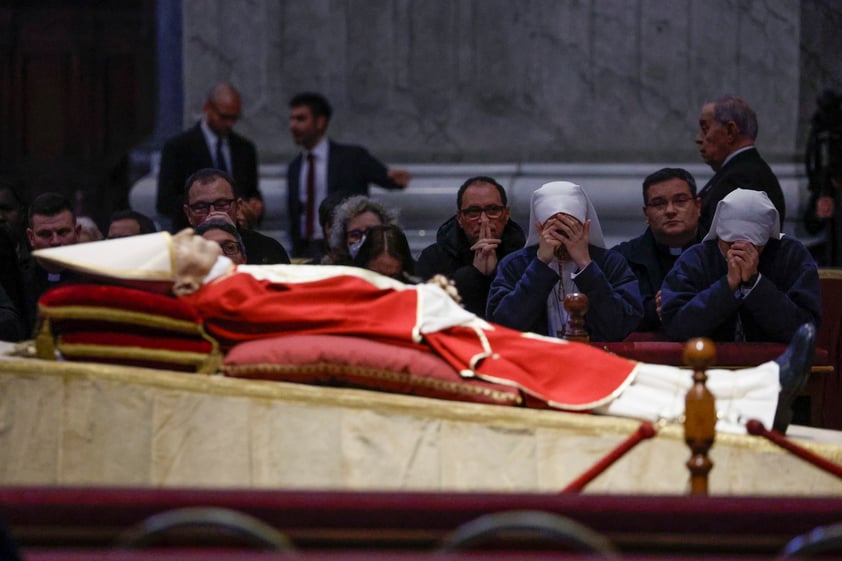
pixel 644 431
pixel 756 428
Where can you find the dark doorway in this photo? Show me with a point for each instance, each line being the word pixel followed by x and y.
pixel 78 92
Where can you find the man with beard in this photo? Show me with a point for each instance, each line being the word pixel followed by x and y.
pixel 325 167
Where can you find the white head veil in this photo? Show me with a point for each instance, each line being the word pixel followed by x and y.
pixel 745 214
pixel 569 198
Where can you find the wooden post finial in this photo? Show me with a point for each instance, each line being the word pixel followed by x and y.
pixel 699 414
pixel 576 305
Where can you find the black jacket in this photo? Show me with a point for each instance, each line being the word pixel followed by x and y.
pixel 263 250
pixel 746 170
pixel 187 153
pixel 451 256
pixel 350 170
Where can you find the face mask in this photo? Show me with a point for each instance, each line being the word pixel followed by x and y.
pixel 354 248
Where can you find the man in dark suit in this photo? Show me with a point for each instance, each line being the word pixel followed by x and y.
pixel 727 132
pixel 211 143
pixel 323 168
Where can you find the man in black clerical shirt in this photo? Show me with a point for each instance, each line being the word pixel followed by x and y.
pixel 672 211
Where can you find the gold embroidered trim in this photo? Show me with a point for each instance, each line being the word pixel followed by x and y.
pixel 201 361
pixel 292 370
pixel 46 346
pixel 119 316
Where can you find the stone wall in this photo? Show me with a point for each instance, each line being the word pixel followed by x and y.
pixel 514 81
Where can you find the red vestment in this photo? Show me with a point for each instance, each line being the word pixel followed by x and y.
pixel 566 375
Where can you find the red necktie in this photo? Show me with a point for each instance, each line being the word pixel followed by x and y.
pixel 311 196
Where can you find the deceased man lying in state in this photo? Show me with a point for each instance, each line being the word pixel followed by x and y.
pixel 246 302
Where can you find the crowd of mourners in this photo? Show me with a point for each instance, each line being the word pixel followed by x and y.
pixel 712 260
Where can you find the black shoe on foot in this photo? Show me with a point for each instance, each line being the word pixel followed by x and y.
pixel 795 365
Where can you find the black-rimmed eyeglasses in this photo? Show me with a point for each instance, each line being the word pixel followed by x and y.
pixel 221 205
pixel 491 211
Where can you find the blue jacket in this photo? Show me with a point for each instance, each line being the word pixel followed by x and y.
pixel 697 301
pixel 518 294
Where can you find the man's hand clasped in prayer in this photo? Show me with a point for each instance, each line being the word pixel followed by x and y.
pixel 485 250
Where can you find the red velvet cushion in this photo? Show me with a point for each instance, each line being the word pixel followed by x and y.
pixel 114 324
pixel 87 297
pixel 334 360
pixel 173 353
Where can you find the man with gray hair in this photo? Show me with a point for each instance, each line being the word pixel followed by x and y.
pixel 727 132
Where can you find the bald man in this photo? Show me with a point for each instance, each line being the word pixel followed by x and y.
pixel 210 143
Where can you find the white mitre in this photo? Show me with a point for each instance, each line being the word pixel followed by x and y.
pixel 159 262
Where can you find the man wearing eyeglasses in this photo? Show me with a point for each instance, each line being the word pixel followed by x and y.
pixel 672 210
pixel 471 243
pixel 211 143
pixel 212 191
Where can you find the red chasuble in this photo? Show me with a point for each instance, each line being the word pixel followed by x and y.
pixel 566 375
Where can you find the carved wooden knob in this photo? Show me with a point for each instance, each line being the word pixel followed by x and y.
pixel 699 414
pixel 699 353
pixel 576 305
